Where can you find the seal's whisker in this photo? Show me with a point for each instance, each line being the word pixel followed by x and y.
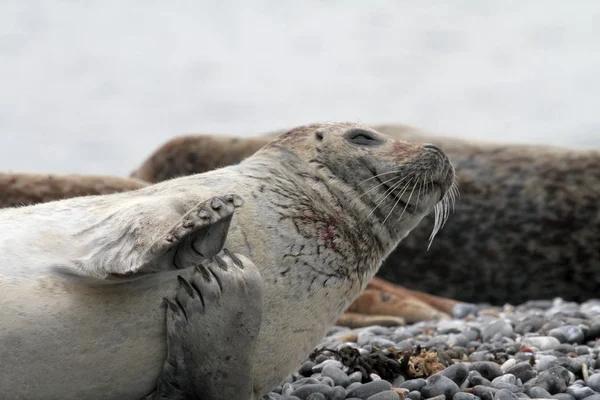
pixel 376 186
pixel 383 197
pixel 395 204
pixel 408 201
pixel 378 175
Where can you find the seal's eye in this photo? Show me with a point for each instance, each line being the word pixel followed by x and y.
pixel 362 137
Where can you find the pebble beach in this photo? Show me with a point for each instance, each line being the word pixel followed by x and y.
pixel 545 349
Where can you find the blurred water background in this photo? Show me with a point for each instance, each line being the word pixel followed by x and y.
pixel 95 86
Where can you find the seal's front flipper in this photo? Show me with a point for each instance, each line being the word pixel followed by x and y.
pixel 212 326
pixel 197 237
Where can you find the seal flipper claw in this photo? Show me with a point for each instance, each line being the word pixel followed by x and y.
pixel 197 237
pixel 211 340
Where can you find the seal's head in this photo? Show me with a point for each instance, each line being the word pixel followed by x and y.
pixel 392 183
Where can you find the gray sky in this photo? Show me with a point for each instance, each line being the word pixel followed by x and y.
pixel 95 86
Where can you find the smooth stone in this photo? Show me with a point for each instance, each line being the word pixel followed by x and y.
pixel 306 390
pixel 536 392
pixel 541 342
pixel 457 372
pixel 505 394
pixel 579 391
pixel 399 380
pixel 337 393
pixel 480 356
pixel 414 384
pixel 571 364
pixel 508 364
pixel 478 380
pixel 506 378
pixel 563 396
pixel 496 330
pixel 381 342
pixel 327 381
pixel 316 396
pixel 319 367
pixel 414 395
pixel 594 382
pixel 543 362
pixel 593 397
pixel 463 310
pixel 529 325
pixel 487 369
pixel 306 368
pixel 438 385
pixel 293 398
pixel 568 334
pixel 486 393
pixel 353 385
pixel 369 389
pixel 464 396
pixel 305 381
pixel 385 395
pixel 553 380
pixel 355 377
pixel 338 376
pixel 507 386
pixel 287 389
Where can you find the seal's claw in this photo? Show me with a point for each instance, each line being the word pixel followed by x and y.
pixel 197 324
pixel 197 237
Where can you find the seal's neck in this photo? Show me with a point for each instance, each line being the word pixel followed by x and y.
pixel 323 208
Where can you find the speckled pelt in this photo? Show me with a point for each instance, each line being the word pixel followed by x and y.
pixel 526 225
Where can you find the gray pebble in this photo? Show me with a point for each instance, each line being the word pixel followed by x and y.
pixel 305 381
pixel 554 380
pixel 327 381
pixel 414 395
pixel 536 392
pixel 456 372
pixel 287 389
pixel 399 380
pixel 439 384
pixel 304 391
pixel 337 393
pixel 497 329
pixel 544 362
pixel 293 398
pixel 563 396
pixel 507 386
pixel 541 342
pixel 594 397
pixel 355 377
pixel 338 376
pixel 568 334
pixel 385 395
pixel 579 391
pixel 487 369
pixel 319 367
pixel 529 325
pixel 316 396
pixel 369 389
pixel 463 310
pixel 352 386
pixel 306 368
pixel 504 394
pixel 464 396
pixel 414 384
pixel 486 393
pixel 594 382
pixel 381 342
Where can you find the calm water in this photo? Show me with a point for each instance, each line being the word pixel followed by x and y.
pixel 95 86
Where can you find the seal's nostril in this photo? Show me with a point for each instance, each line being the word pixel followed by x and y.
pixel 431 147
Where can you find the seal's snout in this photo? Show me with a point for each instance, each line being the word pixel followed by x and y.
pixel 444 176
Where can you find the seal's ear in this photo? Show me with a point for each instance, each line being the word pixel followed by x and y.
pixel 319 135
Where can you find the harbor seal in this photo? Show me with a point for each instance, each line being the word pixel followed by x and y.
pixel 525 226
pixel 23 189
pixel 81 279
